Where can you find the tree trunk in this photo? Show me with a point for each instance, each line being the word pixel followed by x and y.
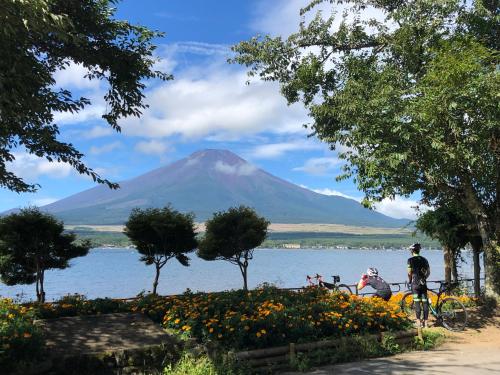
pixel 454 267
pixel 448 258
pixel 491 256
pixel 476 249
pixel 491 249
pixel 157 277
pixel 38 280
pixel 42 291
pixel 37 287
pixel 243 269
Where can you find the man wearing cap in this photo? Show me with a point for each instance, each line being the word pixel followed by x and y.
pixel 418 272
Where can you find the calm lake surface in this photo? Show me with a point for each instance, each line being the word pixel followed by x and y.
pixel 118 273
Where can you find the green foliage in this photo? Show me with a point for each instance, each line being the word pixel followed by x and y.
pixel 40 37
pixel 389 345
pixel 192 366
pixel 232 236
pixel 160 235
pixel 432 338
pixel 32 242
pixel 413 104
pixel 202 365
pixel 450 225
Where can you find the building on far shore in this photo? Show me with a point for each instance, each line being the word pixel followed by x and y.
pixel 291 245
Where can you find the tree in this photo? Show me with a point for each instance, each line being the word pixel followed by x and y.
pixel 232 236
pixel 412 100
pixel 448 226
pixel 32 242
pixel 160 235
pixel 40 37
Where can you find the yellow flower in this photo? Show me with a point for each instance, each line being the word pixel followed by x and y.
pixel 246 328
pixel 258 334
pixel 176 321
pixel 263 331
pixel 186 328
pixel 211 330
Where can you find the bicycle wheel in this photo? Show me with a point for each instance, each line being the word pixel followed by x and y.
pixel 344 288
pixel 452 314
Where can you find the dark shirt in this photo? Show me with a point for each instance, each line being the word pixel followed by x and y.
pixel 376 282
pixel 419 267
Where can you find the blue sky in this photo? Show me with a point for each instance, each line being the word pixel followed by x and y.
pixel 207 105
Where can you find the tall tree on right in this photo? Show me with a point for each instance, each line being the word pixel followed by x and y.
pixel 232 236
pixel 412 98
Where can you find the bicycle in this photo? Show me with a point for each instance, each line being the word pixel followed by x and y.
pixel 447 310
pixel 331 286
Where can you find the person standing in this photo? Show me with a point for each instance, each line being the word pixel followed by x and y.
pixel 418 272
pixel 383 289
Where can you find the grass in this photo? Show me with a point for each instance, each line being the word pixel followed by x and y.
pixel 350 350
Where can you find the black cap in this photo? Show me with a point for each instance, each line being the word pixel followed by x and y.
pixel 415 248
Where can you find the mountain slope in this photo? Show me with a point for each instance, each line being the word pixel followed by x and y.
pixel 214 180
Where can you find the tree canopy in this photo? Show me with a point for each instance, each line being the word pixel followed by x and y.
pixel 454 228
pixel 40 37
pixel 32 242
pixel 161 234
pixel 412 99
pixel 232 236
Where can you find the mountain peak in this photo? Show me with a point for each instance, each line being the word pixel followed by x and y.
pixel 209 181
pixel 215 155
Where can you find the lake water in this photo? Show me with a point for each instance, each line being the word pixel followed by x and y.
pixel 118 273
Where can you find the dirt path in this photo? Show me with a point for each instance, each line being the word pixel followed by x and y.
pixel 474 351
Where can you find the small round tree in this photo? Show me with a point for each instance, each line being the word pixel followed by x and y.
pixel 32 242
pixel 160 235
pixel 232 236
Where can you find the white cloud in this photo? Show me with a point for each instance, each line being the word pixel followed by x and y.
pixel 39 202
pixel 217 102
pixel 327 191
pixel 30 166
pixel 399 208
pixel 74 77
pixel 97 132
pixel 235 169
pixel 92 112
pixel 97 150
pixel 152 147
pixel 275 150
pixel 319 166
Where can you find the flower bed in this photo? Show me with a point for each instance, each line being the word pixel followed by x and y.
pixel 20 339
pixel 76 305
pixel 269 317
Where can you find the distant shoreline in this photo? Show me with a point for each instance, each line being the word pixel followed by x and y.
pixel 275 228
